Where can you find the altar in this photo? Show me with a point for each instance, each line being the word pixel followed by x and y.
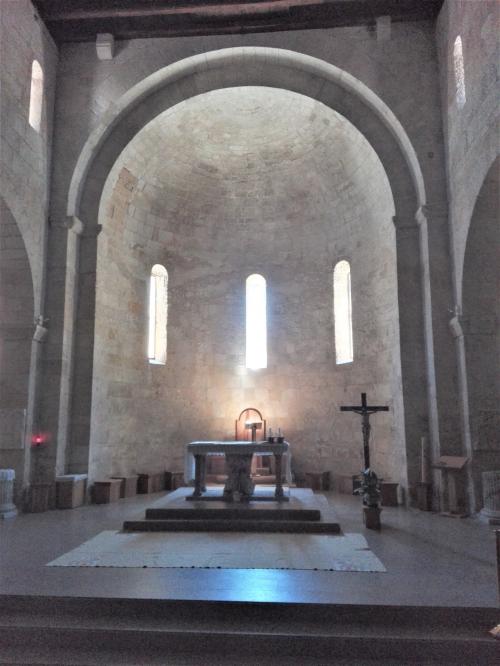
pixel 238 456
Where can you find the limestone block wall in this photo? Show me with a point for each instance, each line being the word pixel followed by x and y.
pixel 16 330
pixel 471 131
pixel 25 152
pixel 472 144
pixel 24 187
pixel 222 186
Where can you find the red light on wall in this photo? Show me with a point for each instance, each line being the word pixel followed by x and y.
pixel 37 439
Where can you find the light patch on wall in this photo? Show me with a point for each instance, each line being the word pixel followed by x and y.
pixel 256 322
pixel 459 69
pixel 342 309
pixel 36 96
pixel 158 302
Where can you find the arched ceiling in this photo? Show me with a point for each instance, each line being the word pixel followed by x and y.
pixel 254 143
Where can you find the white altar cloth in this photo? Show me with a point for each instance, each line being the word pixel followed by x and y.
pixel 208 447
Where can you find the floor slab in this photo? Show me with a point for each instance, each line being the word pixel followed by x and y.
pixel 430 560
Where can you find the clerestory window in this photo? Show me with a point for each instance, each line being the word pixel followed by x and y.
pixel 459 69
pixel 256 322
pixel 36 96
pixel 342 312
pixel 158 307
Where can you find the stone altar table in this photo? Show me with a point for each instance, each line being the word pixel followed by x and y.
pixel 238 461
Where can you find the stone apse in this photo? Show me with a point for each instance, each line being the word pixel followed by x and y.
pixel 216 167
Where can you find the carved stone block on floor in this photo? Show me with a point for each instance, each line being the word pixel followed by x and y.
pixel 151 483
pixel 317 480
pixel 40 497
pixel 129 485
pixel 389 493
pixel 106 491
pixel 174 480
pixel 70 490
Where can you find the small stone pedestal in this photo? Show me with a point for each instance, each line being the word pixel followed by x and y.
pixel 174 480
pixel 150 483
pixel 7 506
pixel 107 491
pixel 70 490
pixel 318 480
pixel 389 493
pixel 129 485
pixel 40 497
pixel 490 512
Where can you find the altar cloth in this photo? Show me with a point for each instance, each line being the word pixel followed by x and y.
pixel 218 447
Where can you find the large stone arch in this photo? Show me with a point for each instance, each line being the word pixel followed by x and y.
pixel 481 328
pixel 298 73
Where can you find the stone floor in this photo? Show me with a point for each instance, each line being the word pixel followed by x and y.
pixel 430 560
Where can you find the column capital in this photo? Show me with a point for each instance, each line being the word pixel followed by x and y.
pixel 41 329
pixel 75 225
pixel 455 324
pixel 421 215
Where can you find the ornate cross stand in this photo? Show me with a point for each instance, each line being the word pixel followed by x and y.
pixel 365 411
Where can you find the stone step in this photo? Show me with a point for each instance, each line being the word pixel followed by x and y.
pixel 231 525
pixel 132 631
pixel 233 513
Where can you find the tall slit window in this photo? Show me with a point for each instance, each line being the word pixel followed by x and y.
pixel 459 69
pixel 36 96
pixel 158 305
pixel 342 312
pixel 256 322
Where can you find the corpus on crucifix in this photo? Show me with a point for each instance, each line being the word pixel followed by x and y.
pixel 365 411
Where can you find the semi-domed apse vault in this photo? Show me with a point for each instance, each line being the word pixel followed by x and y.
pixel 223 185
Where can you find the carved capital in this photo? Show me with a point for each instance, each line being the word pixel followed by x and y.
pixel 75 225
pixel 40 333
pixel 455 325
pixel 421 215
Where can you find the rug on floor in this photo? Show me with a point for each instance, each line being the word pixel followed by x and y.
pixel 223 550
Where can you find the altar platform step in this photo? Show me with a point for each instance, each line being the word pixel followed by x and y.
pixel 227 525
pixel 66 630
pixel 239 513
pixel 303 513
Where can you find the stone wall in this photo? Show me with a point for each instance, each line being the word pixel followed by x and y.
pixel 24 179
pixel 471 139
pixel 471 132
pixel 25 152
pixel 224 185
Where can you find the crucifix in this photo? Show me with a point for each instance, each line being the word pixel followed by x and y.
pixel 365 411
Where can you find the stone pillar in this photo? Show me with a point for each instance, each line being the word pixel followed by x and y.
pixel 7 506
pixel 491 497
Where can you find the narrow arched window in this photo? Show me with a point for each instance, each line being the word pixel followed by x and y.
pixel 458 67
pixel 342 312
pixel 36 96
pixel 158 303
pixel 256 322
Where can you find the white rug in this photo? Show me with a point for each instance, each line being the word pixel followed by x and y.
pixel 223 550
